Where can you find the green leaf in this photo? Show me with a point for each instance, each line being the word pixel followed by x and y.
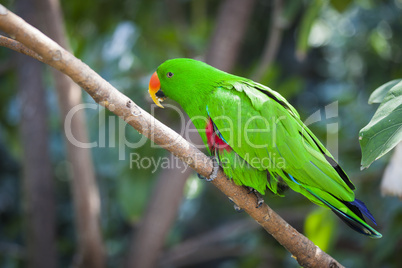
pixel 320 227
pixel 384 130
pixel 340 5
pixel 378 94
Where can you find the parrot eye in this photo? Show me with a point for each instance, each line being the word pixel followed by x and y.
pixel 169 74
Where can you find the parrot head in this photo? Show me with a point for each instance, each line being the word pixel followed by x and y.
pixel 182 80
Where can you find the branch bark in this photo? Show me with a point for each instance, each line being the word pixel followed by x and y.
pixel 304 251
pixel 16 46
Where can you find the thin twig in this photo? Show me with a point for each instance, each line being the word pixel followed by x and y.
pixel 304 251
pixel 17 46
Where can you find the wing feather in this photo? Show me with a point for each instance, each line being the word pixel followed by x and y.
pixel 258 123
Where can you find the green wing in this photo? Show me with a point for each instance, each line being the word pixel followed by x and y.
pixel 266 131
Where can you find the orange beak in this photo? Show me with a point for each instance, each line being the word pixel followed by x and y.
pixel 154 86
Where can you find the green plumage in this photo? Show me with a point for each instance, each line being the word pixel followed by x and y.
pixel 267 138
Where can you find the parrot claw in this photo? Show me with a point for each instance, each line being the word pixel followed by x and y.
pixel 214 172
pixel 200 176
pixel 235 206
pixel 260 199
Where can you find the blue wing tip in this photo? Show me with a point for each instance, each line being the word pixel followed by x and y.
pixel 358 207
pixel 364 210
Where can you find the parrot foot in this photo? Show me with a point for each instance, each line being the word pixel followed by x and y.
pixel 235 206
pixel 260 199
pixel 215 169
pixel 200 176
pixel 214 172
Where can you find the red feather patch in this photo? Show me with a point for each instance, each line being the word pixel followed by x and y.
pixel 213 139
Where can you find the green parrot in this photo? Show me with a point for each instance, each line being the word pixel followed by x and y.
pixel 258 137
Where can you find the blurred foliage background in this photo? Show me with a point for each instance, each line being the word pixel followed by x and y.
pixel 332 53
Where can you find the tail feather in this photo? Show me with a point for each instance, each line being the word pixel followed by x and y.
pixel 361 207
pixel 349 212
pixel 359 226
pixel 356 225
pixel 354 218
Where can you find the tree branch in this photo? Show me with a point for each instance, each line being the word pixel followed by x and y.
pixel 38 180
pixel 228 33
pixel 17 46
pixel 304 251
pixel 84 188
